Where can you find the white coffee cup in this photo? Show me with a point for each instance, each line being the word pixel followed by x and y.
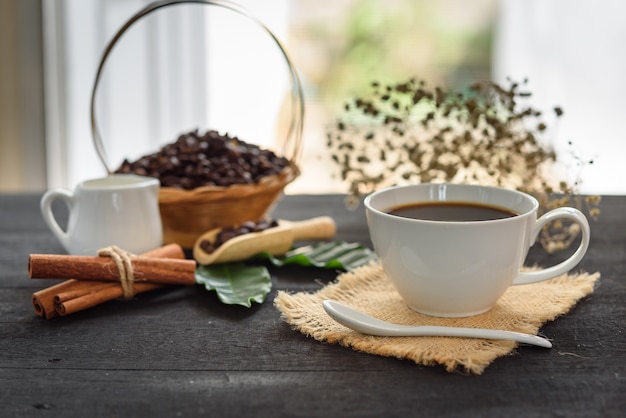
pixel 461 268
pixel 121 210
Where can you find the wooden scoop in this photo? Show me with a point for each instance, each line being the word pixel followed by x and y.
pixel 276 240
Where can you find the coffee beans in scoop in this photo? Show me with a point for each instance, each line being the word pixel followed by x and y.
pixel 209 159
pixel 234 231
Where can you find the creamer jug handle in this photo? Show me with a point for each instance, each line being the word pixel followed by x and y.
pixel 48 216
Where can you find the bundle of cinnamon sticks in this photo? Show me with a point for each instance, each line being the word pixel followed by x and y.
pixel 96 280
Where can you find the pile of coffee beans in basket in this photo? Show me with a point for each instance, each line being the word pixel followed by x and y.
pixel 234 231
pixel 208 159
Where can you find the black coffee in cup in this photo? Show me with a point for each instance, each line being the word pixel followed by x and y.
pixel 451 211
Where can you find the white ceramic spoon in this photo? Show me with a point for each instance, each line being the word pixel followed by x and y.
pixel 367 324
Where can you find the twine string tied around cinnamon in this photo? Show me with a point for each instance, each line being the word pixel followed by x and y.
pixel 123 262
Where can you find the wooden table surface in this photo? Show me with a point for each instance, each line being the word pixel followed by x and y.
pixel 182 353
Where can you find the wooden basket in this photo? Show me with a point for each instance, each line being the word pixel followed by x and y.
pixel 186 214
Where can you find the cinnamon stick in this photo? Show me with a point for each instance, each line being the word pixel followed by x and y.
pixel 65 306
pixel 44 300
pixel 77 292
pixel 145 269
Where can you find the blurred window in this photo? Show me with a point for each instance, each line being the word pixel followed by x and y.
pixel 191 67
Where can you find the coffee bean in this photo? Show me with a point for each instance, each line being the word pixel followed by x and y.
pixel 231 232
pixel 208 159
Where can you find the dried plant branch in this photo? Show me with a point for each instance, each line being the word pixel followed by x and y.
pixel 409 133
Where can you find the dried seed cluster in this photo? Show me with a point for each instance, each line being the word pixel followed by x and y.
pixel 409 133
pixel 208 159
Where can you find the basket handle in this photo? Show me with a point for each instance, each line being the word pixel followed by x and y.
pixel 291 150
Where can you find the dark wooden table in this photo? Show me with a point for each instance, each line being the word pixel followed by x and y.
pixel 183 353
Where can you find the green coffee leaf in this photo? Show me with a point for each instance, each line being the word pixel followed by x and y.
pixel 236 283
pixel 335 255
pixel 242 284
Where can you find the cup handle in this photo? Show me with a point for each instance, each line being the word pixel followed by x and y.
pixel 46 211
pixel 565 266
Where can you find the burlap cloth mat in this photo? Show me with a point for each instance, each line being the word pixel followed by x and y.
pixel 522 308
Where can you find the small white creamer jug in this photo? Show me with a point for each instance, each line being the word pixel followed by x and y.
pixel 121 210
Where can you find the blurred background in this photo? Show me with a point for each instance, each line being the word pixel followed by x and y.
pixel 195 67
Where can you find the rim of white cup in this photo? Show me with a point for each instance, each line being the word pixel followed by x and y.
pixel 534 202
